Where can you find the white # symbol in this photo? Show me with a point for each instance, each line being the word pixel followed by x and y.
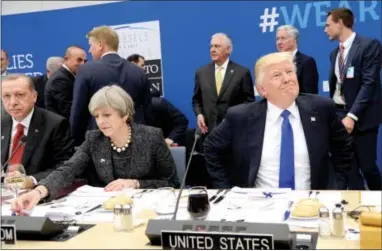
pixel 269 20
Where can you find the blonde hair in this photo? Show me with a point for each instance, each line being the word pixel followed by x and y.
pixel 115 97
pixel 105 34
pixel 273 58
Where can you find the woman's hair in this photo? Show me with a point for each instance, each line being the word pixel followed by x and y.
pixel 115 97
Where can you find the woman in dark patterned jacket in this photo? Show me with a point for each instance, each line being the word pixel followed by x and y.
pixel 121 154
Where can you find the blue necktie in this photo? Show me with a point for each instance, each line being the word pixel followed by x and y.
pixel 286 176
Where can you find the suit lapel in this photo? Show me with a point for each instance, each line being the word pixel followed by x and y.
pixel 309 121
pixel 353 50
pixel 256 127
pixel 332 76
pixel 212 81
pixel 6 130
pixel 229 73
pixel 35 132
pixel 103 161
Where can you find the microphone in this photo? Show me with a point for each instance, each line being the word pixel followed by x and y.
pixel 22 141
pixel 197 135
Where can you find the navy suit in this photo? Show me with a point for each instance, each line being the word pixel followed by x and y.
pixel 110 69
pixel 242 131
pixel 307 73
pixel 363 98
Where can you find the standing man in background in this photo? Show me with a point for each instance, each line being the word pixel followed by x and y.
pixel 4 62
pixel 108 68
pixel 137 59
pixel 307 73
pixel 355 88
pixel 220 85
pixel 59 88
pixel 52 65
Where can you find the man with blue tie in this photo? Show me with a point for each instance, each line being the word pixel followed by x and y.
pixel 283 140
pixel 355 88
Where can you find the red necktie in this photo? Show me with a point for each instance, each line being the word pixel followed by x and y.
pixel 16 159
pixel 341 62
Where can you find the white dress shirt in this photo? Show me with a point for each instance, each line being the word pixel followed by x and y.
pixel 223 69
pixel 338 99
pixel 26 123
pixel 268 175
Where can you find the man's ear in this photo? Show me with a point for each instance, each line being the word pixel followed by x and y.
pixel 261 90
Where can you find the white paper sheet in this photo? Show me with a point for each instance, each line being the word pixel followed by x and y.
pixel 371 198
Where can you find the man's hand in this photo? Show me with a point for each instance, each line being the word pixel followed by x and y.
pixel 202 124
pixel 349 124
pixel 170 142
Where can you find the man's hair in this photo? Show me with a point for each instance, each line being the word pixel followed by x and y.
pixel 68 50
pixel 345 14
pixel 134 58
pixel 54 63
pixel 105 34
pixel 292 31
pixel 5 52
pixel 16 76
pixel 265 61
pixel 227 40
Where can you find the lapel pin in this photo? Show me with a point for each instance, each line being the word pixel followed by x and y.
pixel 312 119
pixel 2 137
pixel 102 160
pixel 231 71
pixel 35 130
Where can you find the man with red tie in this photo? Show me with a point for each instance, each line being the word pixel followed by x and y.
pixel 34 137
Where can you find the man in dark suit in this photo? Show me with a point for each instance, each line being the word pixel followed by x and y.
pixel 48 142
pixel 220 85
pixel 108 68
pixel 59 88
pixel 307 73
pixel 355 88
pixel 165 116
pixel 52 65
pixel 282 141
pixel 4 62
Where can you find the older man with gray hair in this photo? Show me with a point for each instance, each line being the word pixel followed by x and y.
pixel 220 85
pixel 52 65
pixel 307 73
pixel 284 140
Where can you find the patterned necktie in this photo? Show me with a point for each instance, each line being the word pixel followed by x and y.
pixel 16 159
pixel 286 175
pixel 341 62
pixel 219 79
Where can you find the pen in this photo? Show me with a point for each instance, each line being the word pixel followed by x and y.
pixel 287 212
pixel 221 197
pixel 216 194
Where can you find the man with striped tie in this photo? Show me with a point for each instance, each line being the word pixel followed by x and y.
pixel 282 141
pixel 355 88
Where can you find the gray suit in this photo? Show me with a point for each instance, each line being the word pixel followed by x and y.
pixel 152 163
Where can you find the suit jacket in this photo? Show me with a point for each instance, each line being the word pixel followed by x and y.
pixel 152 162
pixel 39 84
pixel 59 92
pixel 48 143
pixel 362 92
pixel 243 131
pixel 237 88
pixel 307 73
pixel 167 117
pixel 110 69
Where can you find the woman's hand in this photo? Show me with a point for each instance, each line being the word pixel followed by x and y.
pixel 120 184
pixel 26 201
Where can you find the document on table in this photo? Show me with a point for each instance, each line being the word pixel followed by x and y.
pixel 371 198
pixel 90 191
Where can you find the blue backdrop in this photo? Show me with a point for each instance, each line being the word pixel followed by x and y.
pixel 186 28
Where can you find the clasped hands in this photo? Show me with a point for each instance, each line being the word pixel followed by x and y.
pixel 120 184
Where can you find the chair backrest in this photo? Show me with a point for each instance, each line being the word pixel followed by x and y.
pixel 179 155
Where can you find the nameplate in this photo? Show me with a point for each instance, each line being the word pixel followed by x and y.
pixel 216 241
pixel 8 234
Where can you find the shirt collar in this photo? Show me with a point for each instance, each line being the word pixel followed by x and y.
pixel 67 68
pixel 294 53
pixel 25 122
pixel 4 73
pixel 224 65
pixel 109 52
pixel 349 41
pixel 274 112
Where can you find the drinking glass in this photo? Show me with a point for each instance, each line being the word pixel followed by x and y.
pixel 198 205
pixel 15 178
